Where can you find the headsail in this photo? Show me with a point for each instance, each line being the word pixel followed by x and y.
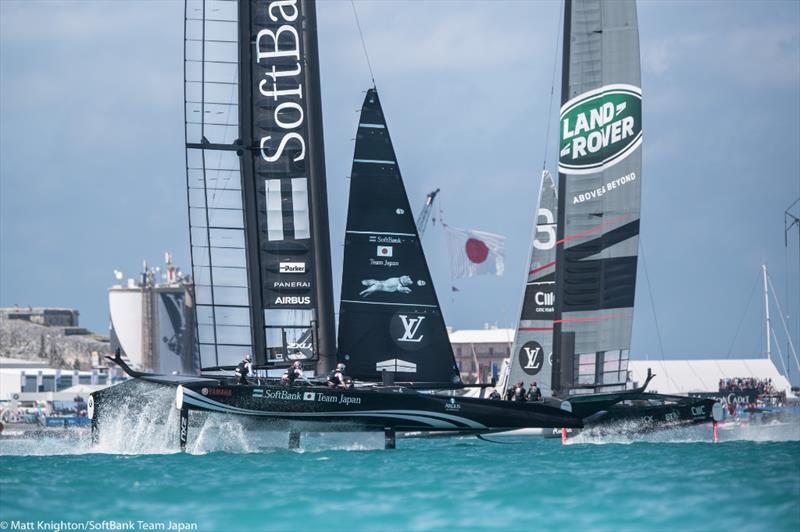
pixel 599 193
pixel 256 177
pixel 531 356
pixel 389 315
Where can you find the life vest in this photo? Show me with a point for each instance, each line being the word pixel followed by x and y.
pixel 242 369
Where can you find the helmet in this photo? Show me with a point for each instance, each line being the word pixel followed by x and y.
pixel 247 357
pixel 297 364
pixel 340 366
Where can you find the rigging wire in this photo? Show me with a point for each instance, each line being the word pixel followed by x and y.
pixel 655 316
pixel 783 321
pixel 744 315
pixel 552 91
pixel 363 44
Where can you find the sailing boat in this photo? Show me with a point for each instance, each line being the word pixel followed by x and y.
pixel 261 252
pixel 574 332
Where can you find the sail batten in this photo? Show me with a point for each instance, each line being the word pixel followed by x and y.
pixel 389 318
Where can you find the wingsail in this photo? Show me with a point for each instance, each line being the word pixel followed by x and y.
pixel 531 355
pixel 599 196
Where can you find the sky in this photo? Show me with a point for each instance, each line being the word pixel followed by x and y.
pixel 92 172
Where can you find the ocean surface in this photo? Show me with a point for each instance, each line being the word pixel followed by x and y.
pixel 235 480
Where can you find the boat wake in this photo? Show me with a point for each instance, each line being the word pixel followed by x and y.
pixel 146 422
pixel 632 432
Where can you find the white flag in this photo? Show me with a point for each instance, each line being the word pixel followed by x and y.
pixel 475 252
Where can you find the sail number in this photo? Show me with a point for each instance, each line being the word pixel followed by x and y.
pixel 548 229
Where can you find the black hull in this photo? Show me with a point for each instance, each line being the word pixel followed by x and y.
pixel 378 408
pixel 640 417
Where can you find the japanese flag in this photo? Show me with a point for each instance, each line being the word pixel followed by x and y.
pixel 475 252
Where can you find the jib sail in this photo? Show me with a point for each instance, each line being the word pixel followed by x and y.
pixel 256 178
pixel 600 165
pixel 533 344
pixel 389 317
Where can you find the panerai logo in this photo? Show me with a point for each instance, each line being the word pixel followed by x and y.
pixel 600 128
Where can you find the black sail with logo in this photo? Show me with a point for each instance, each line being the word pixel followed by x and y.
pixel 389 315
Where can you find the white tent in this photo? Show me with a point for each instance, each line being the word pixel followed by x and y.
pixel 684 376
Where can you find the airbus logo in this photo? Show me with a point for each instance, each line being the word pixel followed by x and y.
pixel 411 328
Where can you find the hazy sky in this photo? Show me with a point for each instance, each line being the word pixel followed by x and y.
pixel 92 162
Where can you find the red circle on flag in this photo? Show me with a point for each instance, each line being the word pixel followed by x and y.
pixel 476 250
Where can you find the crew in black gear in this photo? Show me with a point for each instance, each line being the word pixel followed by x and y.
pixel 244 368
pixel 534 393
pixel 293 373
pixel 519 393
pixel 495 395
pixel 336 378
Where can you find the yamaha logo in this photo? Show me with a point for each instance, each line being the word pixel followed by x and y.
pixel 531 358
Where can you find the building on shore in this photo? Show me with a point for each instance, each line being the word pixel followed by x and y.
pixel 152 320
pixel 480 352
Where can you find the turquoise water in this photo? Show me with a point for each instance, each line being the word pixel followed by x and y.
pixel 448 483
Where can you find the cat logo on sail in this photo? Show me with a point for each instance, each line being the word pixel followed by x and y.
pixel 531 358
pixel 600 128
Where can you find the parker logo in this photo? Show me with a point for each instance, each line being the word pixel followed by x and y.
pixel 531 358
pixel 292 267
pixel 600 128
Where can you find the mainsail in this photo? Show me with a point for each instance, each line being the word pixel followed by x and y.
pixel 599 193
pixel 531 356
pixel 256 178
pixel 389 316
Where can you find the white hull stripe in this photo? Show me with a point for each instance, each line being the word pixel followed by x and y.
pixel 193 398
pixel 376 126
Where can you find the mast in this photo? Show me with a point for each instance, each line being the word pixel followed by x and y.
pixel 318 188
pixel 555 378
pixel 766 311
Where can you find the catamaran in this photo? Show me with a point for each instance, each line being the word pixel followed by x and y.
pixel 260 248
pixel 574 333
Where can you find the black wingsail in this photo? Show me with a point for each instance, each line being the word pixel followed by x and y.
pixel 256 178
pixel 389 316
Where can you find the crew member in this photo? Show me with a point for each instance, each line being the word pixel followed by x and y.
pixel 510 392
pixel 293 373
pixel 336 378
pixel 495 395
pixel 534 393
pixel 519 393
pixel 244 368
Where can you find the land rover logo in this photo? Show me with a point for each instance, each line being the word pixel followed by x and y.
pixel 600 128
pixel 531 358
